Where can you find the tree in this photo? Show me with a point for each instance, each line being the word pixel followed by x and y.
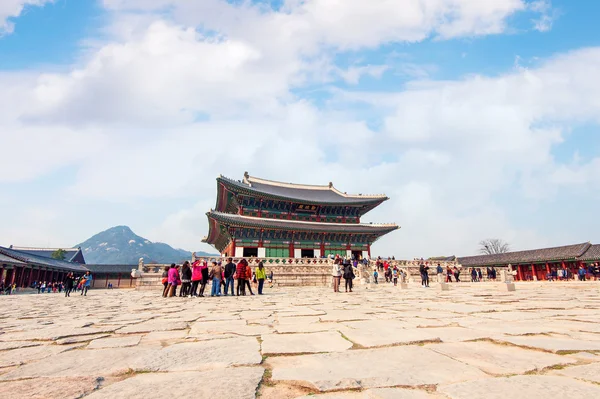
pixel 492 246
pixel 59 254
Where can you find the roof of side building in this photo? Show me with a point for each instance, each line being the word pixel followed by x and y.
pixel 567 252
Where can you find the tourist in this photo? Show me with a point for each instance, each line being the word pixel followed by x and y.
pixel 473 275
pixel 402 276
pixel 261 275
pixel 229 275
pixel 87 281
pixel 479 275
pixel 271 279
pixel 492 274
pixel 205 278
pixel 186 279
pixel 249 278
pixel 448 274
pixel 196 278
pixel 581 273
pixel 240 271
pixel 336 275
pixel 172 280
pixel 375 276
pixel 456 274
pixel 68 284
pixel 215 276
pixel 348 276
pixel 165 281
pixel 395 275
pixel 439 271
pixel 426 275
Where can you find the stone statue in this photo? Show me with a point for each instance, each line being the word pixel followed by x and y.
pixel 141 264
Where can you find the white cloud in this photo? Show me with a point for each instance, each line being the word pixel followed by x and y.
pixel 12 9
pixel 160 110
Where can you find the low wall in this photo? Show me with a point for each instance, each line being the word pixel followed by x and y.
pixel 290 272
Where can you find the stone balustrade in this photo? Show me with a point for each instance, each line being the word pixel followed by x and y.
pixel 307 271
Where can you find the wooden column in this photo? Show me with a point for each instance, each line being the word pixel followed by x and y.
pixel 119 281
pixel 548 268
pixel 29 278
pixel 520 272
pixel 533 272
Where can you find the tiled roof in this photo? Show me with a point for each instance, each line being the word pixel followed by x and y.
pixel 249 221
pixel 7 259
pixel 41 260
pixel 569 252
pixel 302 193
pixel 593 253
pixel 71 254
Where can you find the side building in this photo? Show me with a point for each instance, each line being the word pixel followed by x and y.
pixel 23 266
pixel 536 264
pixel 261 218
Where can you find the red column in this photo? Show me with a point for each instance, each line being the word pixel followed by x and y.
pixel 520 273
pixel 548 268
pixel 12 276
pixel 119 281
pixel 369 250
pixel 564 267
pixel 30 277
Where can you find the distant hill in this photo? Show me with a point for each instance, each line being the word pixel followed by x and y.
pixel 120 245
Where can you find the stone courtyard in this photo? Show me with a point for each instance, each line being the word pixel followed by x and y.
pixel 474 341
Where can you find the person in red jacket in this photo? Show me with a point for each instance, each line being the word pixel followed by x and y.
pixel 249 278
pixel 240 275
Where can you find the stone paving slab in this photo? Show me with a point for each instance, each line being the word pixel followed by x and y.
pixel 499 359
pixel 587 372
pixel 199 356
pixel 304 343
pixel 46 388
pixel 239 383
pixel 523 386
pixel 79 363
pixel 375 368
pixel 115 342
pixel 377 393
pixel 552 344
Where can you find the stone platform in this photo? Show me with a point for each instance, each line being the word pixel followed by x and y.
pixel 474 341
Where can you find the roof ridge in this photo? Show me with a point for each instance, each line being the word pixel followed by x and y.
pixel 329 187
pixel 43 249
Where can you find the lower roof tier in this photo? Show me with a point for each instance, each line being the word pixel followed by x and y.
pixel 223 227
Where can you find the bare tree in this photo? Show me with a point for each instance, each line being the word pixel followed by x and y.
pixel 492 246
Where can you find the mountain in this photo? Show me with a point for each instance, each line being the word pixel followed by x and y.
pixel 120 245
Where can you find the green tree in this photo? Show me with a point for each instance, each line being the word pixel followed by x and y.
pixel 59 254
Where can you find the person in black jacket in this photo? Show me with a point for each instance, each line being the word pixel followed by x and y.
pixel 348 275
pixel 229 275
pixel 69 284
pixel 186 279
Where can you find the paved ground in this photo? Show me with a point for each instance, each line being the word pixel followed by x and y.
pixel 472 342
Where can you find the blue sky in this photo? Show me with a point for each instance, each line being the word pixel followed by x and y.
pixel 477 120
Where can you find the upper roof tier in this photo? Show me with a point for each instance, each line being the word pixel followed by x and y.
pixel 313 194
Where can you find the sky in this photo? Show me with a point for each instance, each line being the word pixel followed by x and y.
pixel 479 119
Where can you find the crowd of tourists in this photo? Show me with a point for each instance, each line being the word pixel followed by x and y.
pixel 232 279
pixel 70 284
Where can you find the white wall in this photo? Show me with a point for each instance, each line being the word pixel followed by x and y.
pixel 317 253
pixel 365 254
pixel 239 252
pixel 297 253
pixel 348 253
pixel 262 252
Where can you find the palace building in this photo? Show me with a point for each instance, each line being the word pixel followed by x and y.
pixel 264 218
